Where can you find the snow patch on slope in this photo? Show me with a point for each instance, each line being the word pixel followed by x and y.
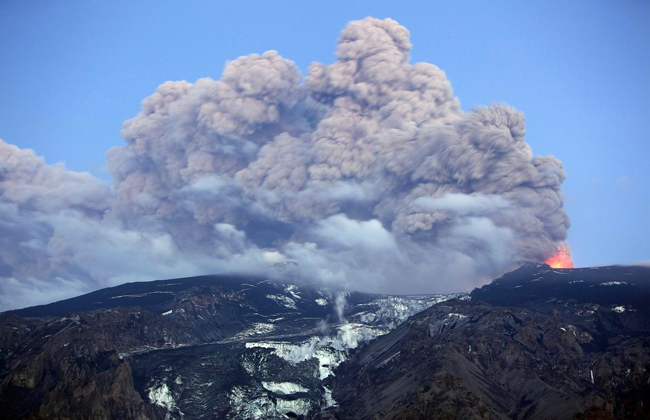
pixel 250 404
pixel 283 301
pixel 283 388
pixel 161 396
pixel 330 351
pixel 258 328
pixel 293 291
pixel 394 310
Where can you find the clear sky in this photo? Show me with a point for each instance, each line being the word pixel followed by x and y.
pixel 72 71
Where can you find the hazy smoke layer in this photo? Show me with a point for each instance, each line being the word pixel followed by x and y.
pixel 366 173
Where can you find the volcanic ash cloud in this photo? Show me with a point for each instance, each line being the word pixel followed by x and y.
pixel 366 172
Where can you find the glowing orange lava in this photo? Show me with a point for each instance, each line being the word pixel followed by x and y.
pixel 562 259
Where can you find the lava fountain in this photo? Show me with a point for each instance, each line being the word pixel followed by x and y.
pixel 562 258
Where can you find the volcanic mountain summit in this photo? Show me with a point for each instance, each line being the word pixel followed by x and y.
pixel 536 343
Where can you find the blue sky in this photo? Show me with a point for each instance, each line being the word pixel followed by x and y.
pixel 72 71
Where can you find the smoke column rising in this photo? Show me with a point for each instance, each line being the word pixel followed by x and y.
pixel 366 173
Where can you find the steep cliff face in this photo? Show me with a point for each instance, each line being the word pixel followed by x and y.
pixel 547 347
pixel 64 369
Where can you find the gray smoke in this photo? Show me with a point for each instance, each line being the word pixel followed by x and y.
pixel 367 173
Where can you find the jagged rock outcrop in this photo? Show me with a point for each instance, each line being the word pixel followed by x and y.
pixel 62 370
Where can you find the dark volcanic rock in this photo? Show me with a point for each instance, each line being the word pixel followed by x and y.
pixel 612 285
pixel 203 347
pixel 537 343
pixel 554 348
pixel 56 370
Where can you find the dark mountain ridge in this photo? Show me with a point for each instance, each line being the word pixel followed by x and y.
pixel 609 285
pixel 153 295
pixel 536 343
pixel 107 352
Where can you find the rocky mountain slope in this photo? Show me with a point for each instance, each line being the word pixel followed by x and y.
pixel 537 343
pixel 206 347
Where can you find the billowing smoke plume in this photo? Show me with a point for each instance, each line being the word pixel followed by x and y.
pixel 366 173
